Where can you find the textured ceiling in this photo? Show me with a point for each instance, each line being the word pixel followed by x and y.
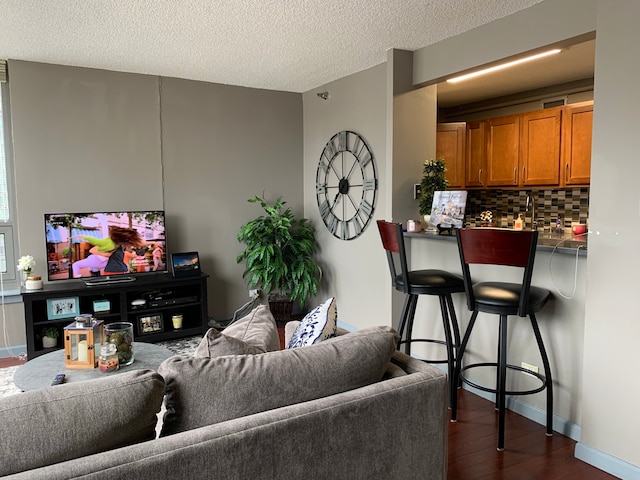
pixel 291 45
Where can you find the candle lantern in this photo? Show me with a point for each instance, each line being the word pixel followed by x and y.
pixel 81 340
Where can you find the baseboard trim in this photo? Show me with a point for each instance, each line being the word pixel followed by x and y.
pixel 13 351
pixel 606 462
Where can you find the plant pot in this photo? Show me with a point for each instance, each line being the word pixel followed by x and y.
pixel 281 310
pixel 49 342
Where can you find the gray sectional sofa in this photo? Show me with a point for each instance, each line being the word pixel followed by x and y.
pixel 327 411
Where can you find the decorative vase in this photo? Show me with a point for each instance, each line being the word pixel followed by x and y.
pixel 24 274
pixel 49 342
pixel 120 334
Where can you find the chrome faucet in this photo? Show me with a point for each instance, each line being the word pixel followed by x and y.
pixel 531 206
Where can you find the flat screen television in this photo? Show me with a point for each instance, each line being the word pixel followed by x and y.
pixel 103 246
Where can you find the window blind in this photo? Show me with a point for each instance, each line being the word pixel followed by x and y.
pixel 3 70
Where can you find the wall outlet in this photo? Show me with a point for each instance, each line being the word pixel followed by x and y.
pixel 253 292
pixel 528 366
pixel 417 190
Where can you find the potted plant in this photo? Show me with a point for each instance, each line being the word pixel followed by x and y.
pixel 279 256
pixel 433 180
pixel 50 337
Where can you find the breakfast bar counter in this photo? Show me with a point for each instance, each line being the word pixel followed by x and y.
pixel 560 267
pixel 547 241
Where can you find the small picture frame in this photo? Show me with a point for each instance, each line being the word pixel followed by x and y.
pixel 186 264
pixel 101 306
pixel 62 307
pixel 150 323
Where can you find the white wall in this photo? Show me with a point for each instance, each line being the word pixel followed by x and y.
pixel 612 327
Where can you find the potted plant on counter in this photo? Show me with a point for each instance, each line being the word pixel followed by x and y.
pixel 433 180
pixel 50 337
pixel 279 257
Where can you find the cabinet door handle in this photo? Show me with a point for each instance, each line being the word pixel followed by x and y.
pixel 480 175
pixel 515 175
pixel 566 173
pixel 523 175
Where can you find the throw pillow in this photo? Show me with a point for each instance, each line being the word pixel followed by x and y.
pixel 319 324
pixel 252 334
pixel 204 391
pixel 55 424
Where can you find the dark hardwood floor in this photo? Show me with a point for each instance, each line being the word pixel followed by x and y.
pixel 529 454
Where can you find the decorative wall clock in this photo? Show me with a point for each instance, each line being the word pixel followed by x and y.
pixel 346 185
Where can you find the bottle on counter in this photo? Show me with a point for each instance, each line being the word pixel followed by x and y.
pixel 518 223
pixel 108 360
pixel 559 228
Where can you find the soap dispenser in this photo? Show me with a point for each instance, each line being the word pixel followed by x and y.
pixel 518 222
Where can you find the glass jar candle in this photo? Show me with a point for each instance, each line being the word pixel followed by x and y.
pixel 108 360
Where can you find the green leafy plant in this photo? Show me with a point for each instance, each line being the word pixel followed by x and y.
pixel 279 252
pixel 433 180
pixel 50 332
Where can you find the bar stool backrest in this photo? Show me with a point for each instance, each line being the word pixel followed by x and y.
pixel 393 242
pixel 490 246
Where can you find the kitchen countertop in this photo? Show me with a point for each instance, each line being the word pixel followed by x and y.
pixel 566 243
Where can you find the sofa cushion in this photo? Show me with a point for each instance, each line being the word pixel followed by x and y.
pixel 73 420
pixel 204 391
pixel 252 334
pixel 319 324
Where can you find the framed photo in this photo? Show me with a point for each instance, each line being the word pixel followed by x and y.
pixel 62 307
pixel 101 306
pixel 150 324
pixel 185 264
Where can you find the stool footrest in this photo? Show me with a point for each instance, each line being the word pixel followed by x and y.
pixel 539 376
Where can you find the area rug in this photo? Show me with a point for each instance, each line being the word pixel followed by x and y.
pixel 181 346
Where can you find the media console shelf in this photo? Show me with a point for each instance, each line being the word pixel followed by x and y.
pixel 148 302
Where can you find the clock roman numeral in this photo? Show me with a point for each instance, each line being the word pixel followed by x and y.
pixel 366 207
pixel 357 226
pixel 369 184
pixel 356 146
pixel 321 188
pixel 344 233
pixel 325 209
pixel 342 141
pixel 329 150
pixel 333 224
pixel 364 161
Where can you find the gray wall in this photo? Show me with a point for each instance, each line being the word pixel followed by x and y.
pixel 88 140
pixel 355 270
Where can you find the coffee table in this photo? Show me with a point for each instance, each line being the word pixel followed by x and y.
pixel 40 372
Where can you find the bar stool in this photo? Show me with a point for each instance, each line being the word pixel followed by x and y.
pixel 422 282
pixel 506 248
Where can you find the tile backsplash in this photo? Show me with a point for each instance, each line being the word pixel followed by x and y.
pixel 572 204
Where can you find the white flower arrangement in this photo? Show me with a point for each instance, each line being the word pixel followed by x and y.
pixel 26 263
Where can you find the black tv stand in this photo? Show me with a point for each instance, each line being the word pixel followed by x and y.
pixel 108 280
pixel 151 297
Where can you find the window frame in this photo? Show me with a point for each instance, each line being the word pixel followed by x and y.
pixel 10 280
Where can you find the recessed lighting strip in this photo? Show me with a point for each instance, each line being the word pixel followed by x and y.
pixel 503 66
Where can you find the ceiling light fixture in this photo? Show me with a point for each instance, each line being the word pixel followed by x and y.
pixel 503 66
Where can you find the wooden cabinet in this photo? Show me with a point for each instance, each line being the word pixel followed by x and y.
pixel 540 147
pixel 544 148
pixel 503 151
pixel 450 146
pixel 576 140
pixel 476 155
pixel 163 297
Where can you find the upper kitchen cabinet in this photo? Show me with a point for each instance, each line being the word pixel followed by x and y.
pixel 540 147
pixel 450 146
pixel 503 141
pixel 476 155
pixel 576 139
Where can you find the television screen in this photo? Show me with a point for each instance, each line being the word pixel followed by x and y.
pixel 88 245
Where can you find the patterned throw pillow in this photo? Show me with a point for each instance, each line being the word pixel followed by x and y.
pixel 319 324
